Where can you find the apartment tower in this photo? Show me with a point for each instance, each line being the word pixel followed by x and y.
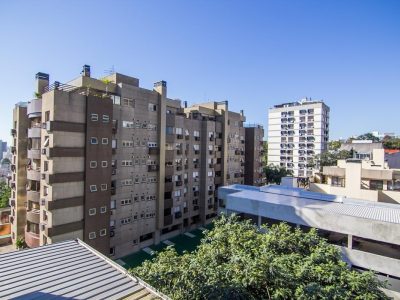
pixel 119 166
pixel 253 148
pixel 297 131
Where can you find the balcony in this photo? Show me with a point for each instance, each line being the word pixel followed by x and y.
pixel 179 136
pixel 34 153
pixel 178 215
pixel 13 149
pixel 32 239
pixel 13 132
pixel 178 183
pixel 34 132
pixel 210 192
pixel 168 220
pixel 33 216
pixel 154 151
pixel 197 138
pixel 153 168
pixel 168 203
pixel 33 174
pixel 187 137
pixel 179 152
pixel 11 202
pixel 34 108
pixel 179 167
pixel 195 193
pixel 168 186
pixel 217 180
pixel 33 196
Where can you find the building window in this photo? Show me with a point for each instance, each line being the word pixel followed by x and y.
pixel 104 186
pixel 92 235
pixel 112 251
pixel 103 209
pixel 104 164
pixel 116 99
pixel 104 141
pixel 94 117
pixel 93 140
pixel 152 107
pixel 103 232
pixel 376 184
pixel 126 201
pixel 106 118
pixel 93 188
pixel 127 124
pixel 128 102
pixel 92 211
pixel 113 204
pixel 45 166
pixel 47 116
pixel 93 164
pixel 125 221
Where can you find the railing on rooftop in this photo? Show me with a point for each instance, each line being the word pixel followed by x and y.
pixel 59 86
pixel 254 125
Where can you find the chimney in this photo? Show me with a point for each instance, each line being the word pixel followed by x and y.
pixel 42 80
pixel 86 71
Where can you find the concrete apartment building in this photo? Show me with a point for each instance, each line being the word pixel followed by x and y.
pixel 367 179
pixel 253 147
pixel 367 234
pixel 119 166
pixel 297 131
pixel 3 148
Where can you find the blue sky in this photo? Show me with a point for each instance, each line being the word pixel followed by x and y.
pixel 253 53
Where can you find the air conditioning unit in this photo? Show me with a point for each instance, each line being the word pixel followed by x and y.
pixel 43 202
pixel 42 226
pixel 44 151
pixel 43 176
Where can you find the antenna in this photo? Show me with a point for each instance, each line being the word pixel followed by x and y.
pixel 110 70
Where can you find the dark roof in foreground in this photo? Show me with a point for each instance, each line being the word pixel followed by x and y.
pixel 69 269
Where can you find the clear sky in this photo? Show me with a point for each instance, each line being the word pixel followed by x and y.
pixel 253 53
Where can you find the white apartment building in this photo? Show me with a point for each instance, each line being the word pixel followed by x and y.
pixel 297 131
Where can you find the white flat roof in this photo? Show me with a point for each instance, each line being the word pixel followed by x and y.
pixel 299 198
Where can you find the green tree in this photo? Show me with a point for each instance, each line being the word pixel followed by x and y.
pixel 265 153
pixel 236 260
pixel 391 143
pixel 334 145
pixel 330 158
pixel 5 194
pixel 368 136
pixel 274 173
pixel 5 161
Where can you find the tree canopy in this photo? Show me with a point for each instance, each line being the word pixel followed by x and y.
pixel 236 260
pixel 5 194
pixel 330 158
pixel 368 136
pixel 391 143
pixel 274 173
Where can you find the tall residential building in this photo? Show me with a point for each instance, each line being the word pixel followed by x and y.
pixel 119 166
pixel 297 131
pixel 253 149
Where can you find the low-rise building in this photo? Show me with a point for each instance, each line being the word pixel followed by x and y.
pixel 371 179
pixel 368 234
pixel 361 149
pixel 68 270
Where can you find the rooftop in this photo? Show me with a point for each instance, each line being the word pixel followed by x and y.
pixel 69 269
pixel 305 101
pixel 325 203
